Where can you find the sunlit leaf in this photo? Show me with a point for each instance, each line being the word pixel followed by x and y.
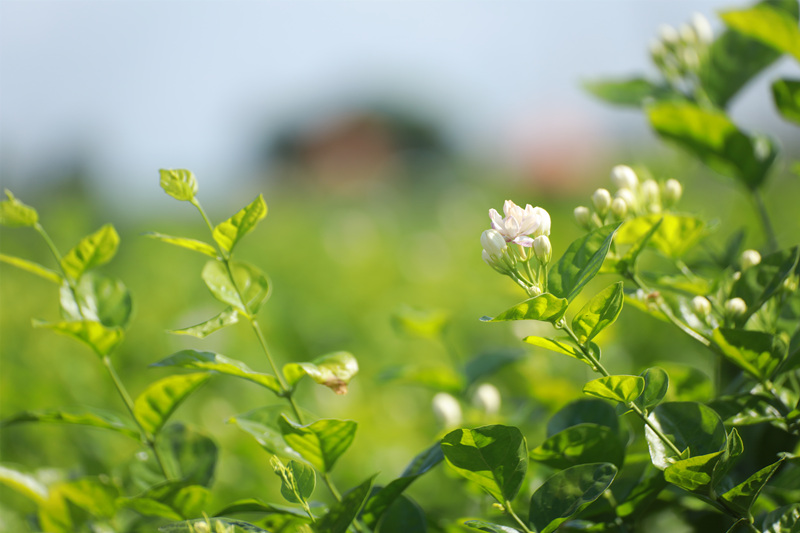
pixel 92 251
pixel 598 313
pixel 15 214
pixel 695 473
pixel 580 444
pixel 99 298
pixel 633 92
pixel 33 268
pixel 784 519
pixel 439 377
pixel 580 263
pixel 689 425
pixel 334 370
pixel 320 443
pixel 342 513
pixel 183 242
pixel 214 362
pixel 480 525
pixel 544 307
pixel 252 505
pixel 228 233
pixel 774 27
pixel 786 94
pixel 226 318
pixel 494 457
pixel 656 384
pixel 24 484
pixel 755 352
pixel 761 282
pixel 248 289
pixel 98 496
pixel 741 497
pixel 624 389
pixel 671 234
pixel 155 405
pixel 180 184
pixel 567 493
pixel 562 345
pixel 84 416
pixel 99 338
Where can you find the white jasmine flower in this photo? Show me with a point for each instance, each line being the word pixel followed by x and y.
pixel 750 258
pixel 518 223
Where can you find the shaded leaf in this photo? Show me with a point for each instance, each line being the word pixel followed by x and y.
pixel 695 473
pixel 95 495
pixel 226 318
pixel 99 338
pixel 92 251
pixel 334 370
pixel 755 352
pixel 438 377
pixel 228 233
pixel 487 363
pixel 252 505
pixel 320 443
pixel 741 497
pixel 180 184
pixel 580 263
pixel 84 416
pixel 581 411
pixel 33 268
pixel 656 384
pixel 544 307
pixel 786 95
pixel 342 513
pixel 248 283
pixel 781 520
pixel 598 313
pixel 580 444
pixel 403 516
pixel 689 425
pixel 155 405
pixel 262 424
pixel 760 282
pixel 426 324
pixel 297 480
pixel 183 242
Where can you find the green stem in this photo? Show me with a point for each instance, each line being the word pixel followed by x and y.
pixel 286 391
pixel 511 512
pixel 199 207
pixel 769 232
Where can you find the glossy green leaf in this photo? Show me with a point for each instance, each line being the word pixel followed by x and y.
pixel 16 214
pixel 544 307
pixel 84 416
pixel 562 345
pixel 624 389
pixel 226 318
pixel 380 501
pixel 755 352
pixel 320 443
pixel 711 136
pixel 214 362
pixel 297 480
pixel 598 313
pixel 24 484
pixel 189 455
pixel 213 525
pixel 183 242
pixel 342 513
pixel 672 234
pixel 33 268
pixel 99 298
pixel 96 336
pixel 633 92
pixel 761 282
pixel 774 27
pixel 480 525
pixel 786 95
pixel 252 505
pixel 155 405
pixel 580 444
pixel 249 283
pixel 656 384
pixel 262 424
pixel 228 233
pixel 580 263
pixel 689 425
pixel 567 493
pixel 333 370
pixel 426 324
pixel 92 251
pixel 695 473
pixel 583 411
pixel 784 519
pixel 403 516
pixel 628 262
pixel 180 184
pixel 494 457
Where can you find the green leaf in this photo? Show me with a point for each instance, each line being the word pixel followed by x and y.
pixel 761 282
pixel 741 497
pixel 687 383
pixel 92 251
pixel 403 516
pixel 180 184
pixel 545 307
pixel 781 520
pixel 480 525
pixel 567 493
pixel 757 353
pixel 33 268
pixel 320 443
pixel 711 136
pixel 262 424
pixel 228 233
pixel 671 234
pixel 623 389
pixel 84 416
pixel 342 513
pixel 297 480
pixel 155 405
pixel 248 283
pixel 580 444
pixel 99 338
pixel 562 345
pixel 656 384
pixel 689 425
pixel 226 318
pixel 333 370
pixel 15 214
pixel 633 92
pixel 379 502
pixel 580 263
pixel 96 495
pixel 695 473
pixel 582 411
pixel 628 262
pixel 598 313
pixel 487 363
pixel 189 455
pixel 24 484
pixel 774 27
pixel 99 298
pixel 214 362
pixel 190 244
pixel 786 94
pixel 213 525
pixel 494 457
pixel 252 505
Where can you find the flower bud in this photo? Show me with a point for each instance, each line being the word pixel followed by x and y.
pixel 702 28
pixel 735 307
pixel 750 258
pixel 619 208
pixel 687 33
pixel 544 221
pixel 651 196
pixel 583 217
pixel 447 410
pixel 534 291
pixel 623 177
pixel 701 306
pixel 672 192
pixel 668 34
pixel 487 399
pixel 628 196
pixel 791 283
pixel 601 200
pixel 542 249
pixel 493 242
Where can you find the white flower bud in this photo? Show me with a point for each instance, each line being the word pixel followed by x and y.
pixel 619 208
pixel 487 399
pixel 493 242
pixel 628 196
pixel 672 192
pixel 656 50
pixel 583 217
pixel 701 306
pixel 543 249
pixel 735 307
pixel 534 291
pixel 668 34
pixel 750 258
pixel 544 221
pixel 601 200
pixel 623 177
pixel 702 28
pixel 650 191
pixel 690 59
pixel 447 410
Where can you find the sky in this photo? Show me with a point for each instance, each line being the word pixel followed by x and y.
pixel 128 87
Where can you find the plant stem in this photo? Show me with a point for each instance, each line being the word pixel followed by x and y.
pixel 510 511
pixel 769 232
pixel 286 392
